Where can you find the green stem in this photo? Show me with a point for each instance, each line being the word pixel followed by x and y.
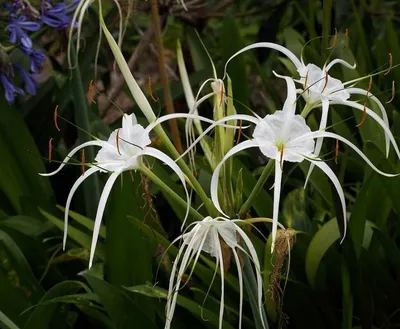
pixel 259 185
pixel 326 23
pixel 170 192
pixel 307 109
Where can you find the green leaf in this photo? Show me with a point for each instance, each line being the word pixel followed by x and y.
pixel 77 235
pixel 48 314
pixel 196 309
pixel 319 245
pixel 91 187
pixel 6 323
pixel 124 311
pixel 230 42
pixel 124 245
pixel 20 163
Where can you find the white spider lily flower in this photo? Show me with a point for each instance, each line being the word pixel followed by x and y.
pixel 206 236
pixel 319 89
pixel 124 150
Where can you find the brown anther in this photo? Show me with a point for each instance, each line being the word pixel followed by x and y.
pixel 281 157
pixel 334 41
pixel 90 92
pixel 239 132
pixel 326 81
pixel 369 85
pixel 364 116
pixel 55 116
pixel 117 141
pixel 50 148
pixel 337 151
pixel 150 90
pixel 305 81
pixel 393 93
pixel 390 64
pixel 83 162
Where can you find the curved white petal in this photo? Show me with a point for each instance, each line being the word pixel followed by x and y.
pixel 277 196
pixel 220 123
pixel 375 117
pixel 339 61
pixel 214 180
pixel 290 104
pixel 169 162
pixel 359 91
pixel 240 279
pixel 317 134
pixel 74 187
pixel 328 171
pixel 221 268
pixel 270 45
pixel 256 263
pixel 322 126
pixel 71 154
pixel 99 215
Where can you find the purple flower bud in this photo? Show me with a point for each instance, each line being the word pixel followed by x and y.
pixel 30 83
pixel 9 88
pixel 36 57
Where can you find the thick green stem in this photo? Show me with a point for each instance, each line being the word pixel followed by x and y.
pixel 257 188
pixel 307 109
pixel 326 24
pixel 171 193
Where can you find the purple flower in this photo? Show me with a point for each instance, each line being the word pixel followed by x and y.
pixel 36 57
pixel 57 16
pixel 17 29
pixel 9 88
pixel 28 79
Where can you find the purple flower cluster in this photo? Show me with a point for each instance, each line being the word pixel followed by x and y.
pixel 24 19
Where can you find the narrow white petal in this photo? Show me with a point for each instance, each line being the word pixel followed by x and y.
pixel 240 278
pixel 256 263
pixel 219 256
pixel 290 104
pixel 339 61
pixel 69 199
pixel 359 91
pixel 277 196
pixel 169 162
pixel 322 126
pixel 317 134
pixel 328 171
pixel 99 215
pixel 376 117
pixel 71 154
pixel 270 45
pixel 214 180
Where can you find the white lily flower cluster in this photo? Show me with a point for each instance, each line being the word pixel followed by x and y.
pixel 281 136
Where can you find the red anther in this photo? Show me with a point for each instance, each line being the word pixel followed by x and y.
pixel 337 151
pixel 390 64
pixel 117 141
pixel 393 93
pixel 221 95
pixel 50 148
pixel 239 132
pixel 346 35
pixel 326 81
pixel 364 115
pixel 149 86
pixel 90 92
pixel 335 38
pixel 55 116
pixel 83 162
